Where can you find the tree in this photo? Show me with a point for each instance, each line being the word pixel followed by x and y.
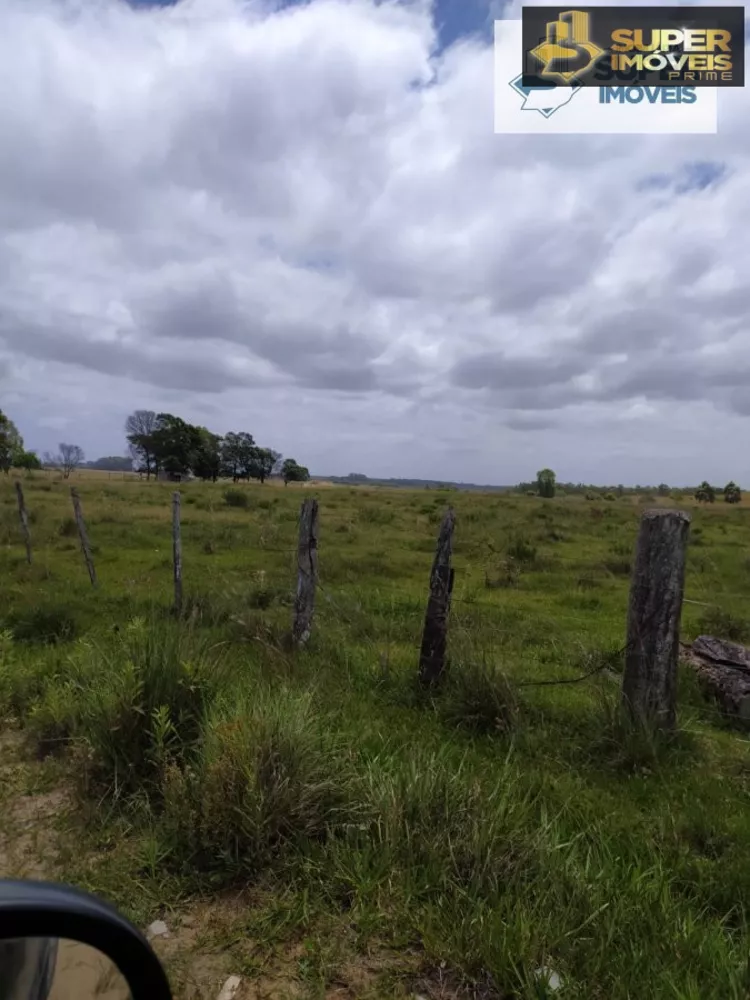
pixel 732 493
pixel 112 463
pixel 663 490
pixel 175 444
pixel 69 458
pixel 139 430
pixel 11 443
pixel 705 493
pixel 293 473
pixel 237 450
pixel 545 483
pixel 207 463
pixel 264 462
pixel 28 460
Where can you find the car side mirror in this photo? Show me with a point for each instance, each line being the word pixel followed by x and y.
pixel 59 943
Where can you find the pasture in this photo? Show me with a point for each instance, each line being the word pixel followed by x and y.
pixel 312 822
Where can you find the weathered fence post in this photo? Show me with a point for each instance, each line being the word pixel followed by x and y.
pixel 307 571
pixel 85 547
pixel 177 551
pixel 649 688
pixel 24 520
pixel 435 633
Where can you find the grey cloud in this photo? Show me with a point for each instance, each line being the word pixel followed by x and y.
pixel 497 371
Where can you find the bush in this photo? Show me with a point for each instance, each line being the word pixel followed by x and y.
pixel 236 498
pixel 68 528
pixel 44 625
pixel 479 697
pixel 267 776
pixel 723 625
pixel 609 496
pixel 134 700
pixel 522 551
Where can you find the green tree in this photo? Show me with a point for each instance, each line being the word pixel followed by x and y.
pixel 11 443
pixel 732 493
pixel 265 461
pixel 175 444
pixel 28 460
pixel 237 451
pixel 545 483
pixel 294 473
pixel 140 428
pixel 207 461
pixel 663 490
pixel 705 493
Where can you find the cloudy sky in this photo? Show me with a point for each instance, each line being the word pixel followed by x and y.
pixel 295 219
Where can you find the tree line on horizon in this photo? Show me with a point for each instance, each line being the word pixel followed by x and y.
pixel 162 443
pixel 546 485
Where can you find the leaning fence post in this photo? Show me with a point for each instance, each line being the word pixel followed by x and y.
pixel 24 520
pixel 649 688
pixel 177 551
pixel 307 571
pixel 435 633
pixel 85 547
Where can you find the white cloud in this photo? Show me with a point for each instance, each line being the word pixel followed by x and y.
pixel 301 224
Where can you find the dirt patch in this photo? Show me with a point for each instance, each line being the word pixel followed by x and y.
pixel 28 819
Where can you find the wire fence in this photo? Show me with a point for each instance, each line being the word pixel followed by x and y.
pixel 366 615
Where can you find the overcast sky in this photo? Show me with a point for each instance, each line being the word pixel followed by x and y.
pixel 296 220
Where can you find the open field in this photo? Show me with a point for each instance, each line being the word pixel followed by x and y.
pixel 310 822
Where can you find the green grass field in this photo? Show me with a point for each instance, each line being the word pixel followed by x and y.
pixel 309 820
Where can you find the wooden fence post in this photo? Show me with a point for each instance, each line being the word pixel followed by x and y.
pixel 307 571
pixel 649 688
pixel 177 551
pixel 85 547
pixel 24 520
pixel 435 633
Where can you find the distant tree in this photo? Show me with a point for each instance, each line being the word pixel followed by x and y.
pixel 112 463
pixel 663 490
pixel 176 444
pixel 237 451
pixel 70 457
pixel 705 493
pixel 732 493
pixel 265 462
pixel 28 460
pixel 207 462
pixel 294 473
pixel 139 430
pixel 11 443
pixel 620 490
pixel 545 483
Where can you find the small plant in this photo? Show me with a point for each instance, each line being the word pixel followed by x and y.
pixel 44 625
pixel 522 551
pixel 724 625
pixel 236 498
pixel 479 697
pixel 68 528
pixel 609 496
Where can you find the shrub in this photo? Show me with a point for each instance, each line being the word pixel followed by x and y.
pixel 609 496
pixel 522 551
pixel 44 624
pixel 479 697
pixel 135 700
pixel 267 776
pixel 68 528
pixel 236 498
pixel 723 625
